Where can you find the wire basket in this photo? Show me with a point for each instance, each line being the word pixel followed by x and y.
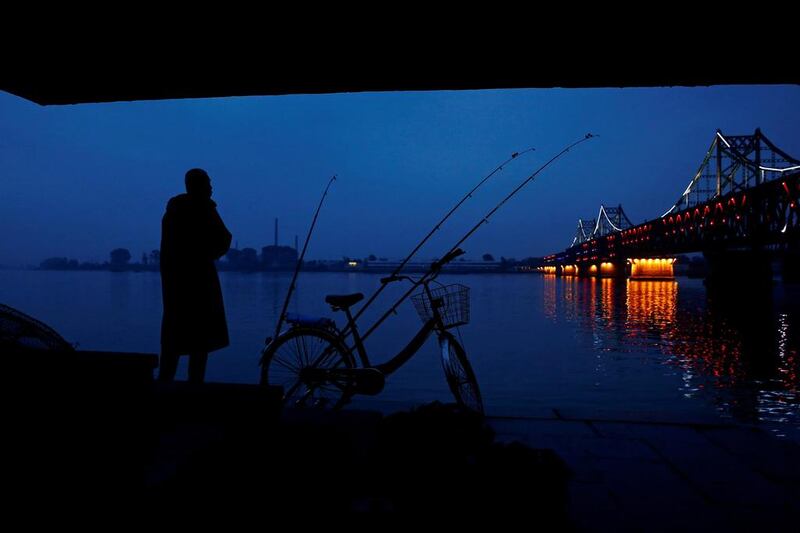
pixel 453 302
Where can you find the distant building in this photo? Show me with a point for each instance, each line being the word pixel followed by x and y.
pixel 233 258
pixel 248 260
pixel 278 257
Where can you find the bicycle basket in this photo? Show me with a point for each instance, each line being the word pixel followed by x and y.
pixel 454 308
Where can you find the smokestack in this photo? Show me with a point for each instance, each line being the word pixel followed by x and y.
pixel 276 231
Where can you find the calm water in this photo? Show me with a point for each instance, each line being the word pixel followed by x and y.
pixel 665 349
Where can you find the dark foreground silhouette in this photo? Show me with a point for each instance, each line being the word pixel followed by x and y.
pixel 199 452
pixel 91 435
pixel 436 460
pixel 192 237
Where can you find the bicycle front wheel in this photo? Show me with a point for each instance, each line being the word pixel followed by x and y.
pixel 287 359
pixel 460 376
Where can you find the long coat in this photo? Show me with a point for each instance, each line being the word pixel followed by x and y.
pixel 192 237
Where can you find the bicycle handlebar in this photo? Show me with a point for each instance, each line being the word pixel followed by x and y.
pixel 394 278
pixel 436 266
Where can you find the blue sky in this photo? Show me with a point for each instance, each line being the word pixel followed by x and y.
pixel 80 180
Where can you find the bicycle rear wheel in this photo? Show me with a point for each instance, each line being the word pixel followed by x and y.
pixel 460 376
pixel 302 348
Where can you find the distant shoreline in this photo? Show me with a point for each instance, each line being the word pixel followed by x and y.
pixel 369 265
pixel 288 271
pixel 385 269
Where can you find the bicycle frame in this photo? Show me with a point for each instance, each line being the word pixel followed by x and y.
pixel 368 378
pixel 344 377
pixel 435 323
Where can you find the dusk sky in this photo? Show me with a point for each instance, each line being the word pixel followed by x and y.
pixel 80 180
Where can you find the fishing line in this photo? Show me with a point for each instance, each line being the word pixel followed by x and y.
pixel 435 228
pixel 454 250
pixel 299 264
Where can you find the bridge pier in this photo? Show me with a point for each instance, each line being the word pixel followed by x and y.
pixel 743 268
pixel 652 268
pixel 560 270
pixel 569 270
pixel 584 270
pixel 613 269
pixel 602 269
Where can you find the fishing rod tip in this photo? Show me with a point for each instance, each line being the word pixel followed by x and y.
pixel 517 154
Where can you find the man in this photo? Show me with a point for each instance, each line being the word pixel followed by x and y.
pixel 192 237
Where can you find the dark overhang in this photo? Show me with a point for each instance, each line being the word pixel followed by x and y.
pixel 70 75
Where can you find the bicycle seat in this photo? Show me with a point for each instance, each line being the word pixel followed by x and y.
pixel 343 301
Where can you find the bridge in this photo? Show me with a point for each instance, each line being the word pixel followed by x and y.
pixel 740 209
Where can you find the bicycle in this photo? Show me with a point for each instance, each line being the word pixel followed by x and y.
pixel 313 363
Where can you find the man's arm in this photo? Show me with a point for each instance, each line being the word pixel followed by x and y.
pixel 220 237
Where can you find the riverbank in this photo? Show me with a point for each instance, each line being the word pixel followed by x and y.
pixel 636 472
pixel 225 452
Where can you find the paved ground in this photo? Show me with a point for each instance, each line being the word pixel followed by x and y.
pixel 643 472
pixel 634 471
pixel 639 473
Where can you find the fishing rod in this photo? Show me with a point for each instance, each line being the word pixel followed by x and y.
pixel 455 251
pixel 282 316
pixel 435 228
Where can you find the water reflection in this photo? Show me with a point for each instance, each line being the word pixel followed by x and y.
pixel 737 348
pixel 667 347
pixel 550 297
pixel 650 304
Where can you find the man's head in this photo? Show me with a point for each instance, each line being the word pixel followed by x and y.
pixel 198 183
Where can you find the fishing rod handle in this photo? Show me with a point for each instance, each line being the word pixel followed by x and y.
pixel 447 258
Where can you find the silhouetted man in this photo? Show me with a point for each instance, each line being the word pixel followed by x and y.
pixel 192 237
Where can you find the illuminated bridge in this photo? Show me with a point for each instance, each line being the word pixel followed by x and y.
pixel 740 209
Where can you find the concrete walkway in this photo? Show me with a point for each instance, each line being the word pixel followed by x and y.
pixel 658 475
